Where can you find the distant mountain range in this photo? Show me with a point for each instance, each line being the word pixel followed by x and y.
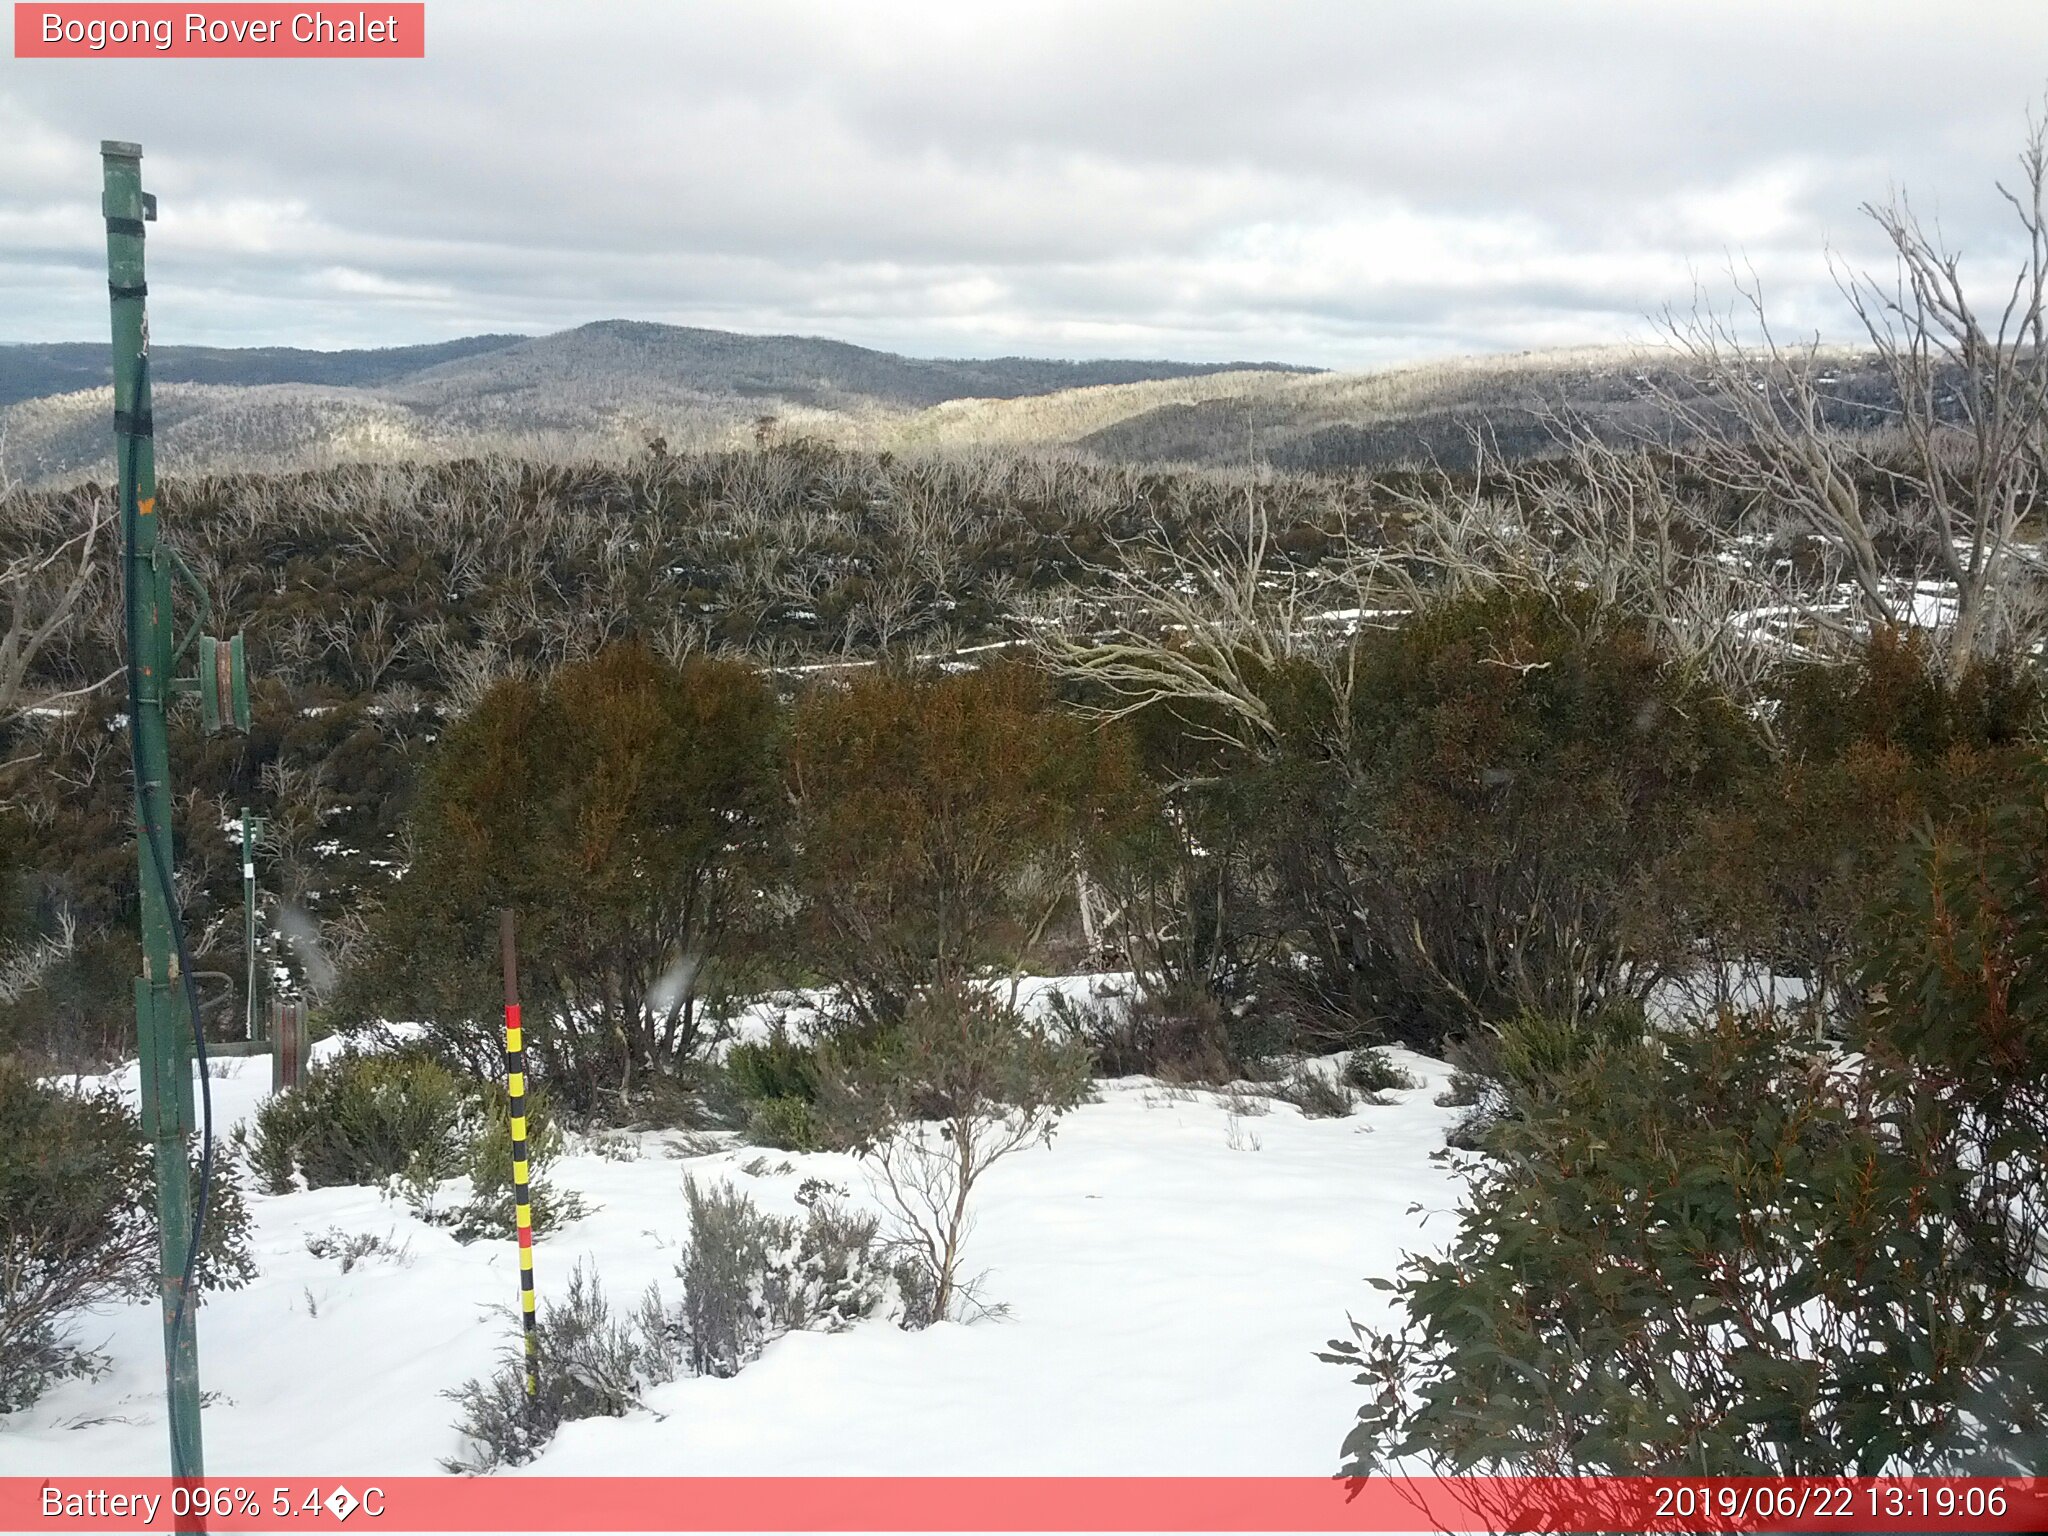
pixel 613 379
pixel 803 368
pixel 55 368
pixel 615 386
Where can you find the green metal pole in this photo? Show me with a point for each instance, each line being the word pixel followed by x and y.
pixel 162 1030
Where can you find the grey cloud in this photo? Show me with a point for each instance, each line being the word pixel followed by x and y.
pixel 1339 183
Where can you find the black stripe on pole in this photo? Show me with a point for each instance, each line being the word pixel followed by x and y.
pixel 515 1091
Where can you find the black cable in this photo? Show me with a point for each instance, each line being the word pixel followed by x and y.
pixel 130 513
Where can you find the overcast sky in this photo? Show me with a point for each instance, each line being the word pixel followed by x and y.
pixel 1345 183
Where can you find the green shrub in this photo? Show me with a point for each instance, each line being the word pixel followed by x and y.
pixel 775 1084
pixel 1533 1050
pixel 627 809
pixel 790 1125
pixel 492 1206
pixel 778 1067
pixel 1716 1253
pixel 1869 751
pixel 78 1226
pixel 1727 1250
pixel 1503 823
pixel 363 1118
pixel 1371 1071
pixel 1502 1068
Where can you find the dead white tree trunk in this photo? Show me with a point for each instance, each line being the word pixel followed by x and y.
pixel 40 589
pixel 1945 492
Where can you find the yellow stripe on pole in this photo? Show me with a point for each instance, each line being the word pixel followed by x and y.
pixel 515 1095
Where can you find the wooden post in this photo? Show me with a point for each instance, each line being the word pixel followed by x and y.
pixel 291 1051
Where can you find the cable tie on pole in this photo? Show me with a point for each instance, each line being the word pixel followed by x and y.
pixel 126 227
pixel 127 291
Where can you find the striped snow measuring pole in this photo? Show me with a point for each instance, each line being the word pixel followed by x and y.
pixel 515 1090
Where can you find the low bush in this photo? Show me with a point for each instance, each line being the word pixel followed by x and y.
pixel 78 1227
pixel 364 1118
pixel 749 1277
pixel 1371 1071
pixel 348 1249
pixel 492 1204
pixel 1502 1068
pixel 1315 1093
pixel 588 1364
pixel 963 1082
pixel 1179 1037
pixel 404 1119
pixel 774 1082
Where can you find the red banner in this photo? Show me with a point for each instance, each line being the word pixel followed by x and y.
pixel 514 1503
pixel 235 31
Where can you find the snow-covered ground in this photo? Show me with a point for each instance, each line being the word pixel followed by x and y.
pixel 1169 1267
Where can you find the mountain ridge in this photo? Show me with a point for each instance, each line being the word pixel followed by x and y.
pixel 611 388
pixel 33 370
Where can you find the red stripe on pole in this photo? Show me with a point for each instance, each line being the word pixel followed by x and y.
pixel 1309 1504
pixel 526 1237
